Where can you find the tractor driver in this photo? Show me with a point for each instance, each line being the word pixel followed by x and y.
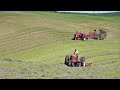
pixel 94 32
pixel 76 53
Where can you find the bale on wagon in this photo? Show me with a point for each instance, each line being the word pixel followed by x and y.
pixel 101 35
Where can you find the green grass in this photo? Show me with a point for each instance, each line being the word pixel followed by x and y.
pixel 34 45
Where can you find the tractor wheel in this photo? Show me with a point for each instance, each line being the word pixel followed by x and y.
pixel 73 39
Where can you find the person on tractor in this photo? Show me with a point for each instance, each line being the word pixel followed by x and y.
pixel 76 53
pixel 94 32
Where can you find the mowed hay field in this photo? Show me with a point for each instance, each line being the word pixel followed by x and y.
pixel 33 45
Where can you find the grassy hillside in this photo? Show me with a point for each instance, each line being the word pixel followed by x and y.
pixel 34 45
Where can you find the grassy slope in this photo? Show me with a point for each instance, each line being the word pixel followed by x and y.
pixel 34 44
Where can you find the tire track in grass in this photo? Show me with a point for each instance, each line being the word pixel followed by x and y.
pixel 53 49
pixel 104 58
pixel 28 37
pixel 17 38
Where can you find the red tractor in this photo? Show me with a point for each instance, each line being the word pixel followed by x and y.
pixel 82 36
pixel 72 60
pixel 77 35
